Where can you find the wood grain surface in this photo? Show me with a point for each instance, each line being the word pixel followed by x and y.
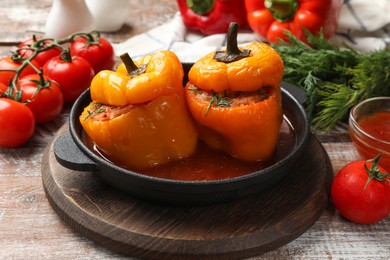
pixel 242 228
pixel 31 229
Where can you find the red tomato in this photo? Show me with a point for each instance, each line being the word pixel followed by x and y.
pixel 101 55
pixel 3 88
pixel 355 199
pixel 43 97
pixel 25 51
pixel 17 123
pixel 73 76
pixel 7 63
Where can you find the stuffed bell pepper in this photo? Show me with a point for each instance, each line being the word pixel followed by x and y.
pixel 235 98
pixel 138 117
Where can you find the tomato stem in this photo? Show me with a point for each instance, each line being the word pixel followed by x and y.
pixel 65 55
pixel 374 172
pixel 37 47
pixel 12 88
pixel 89 37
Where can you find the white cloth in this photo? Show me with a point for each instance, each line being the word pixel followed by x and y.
pixel 364 25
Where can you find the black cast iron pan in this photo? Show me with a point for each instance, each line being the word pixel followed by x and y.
pixel 73 153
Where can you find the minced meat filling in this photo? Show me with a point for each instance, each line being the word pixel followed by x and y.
pixel 101 112
pixel 232 98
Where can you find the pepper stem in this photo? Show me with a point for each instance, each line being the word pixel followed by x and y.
pixel 282 10
pixel 232 53
pixel 131 67
pixel 201 6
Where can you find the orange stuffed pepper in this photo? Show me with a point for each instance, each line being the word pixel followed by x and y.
pixel 138 117
pixel 235 98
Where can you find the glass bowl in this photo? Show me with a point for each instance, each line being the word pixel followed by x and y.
pixel 369 128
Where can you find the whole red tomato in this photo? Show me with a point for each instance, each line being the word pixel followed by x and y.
pixel 361 191
pixel 98 52
pixel 73 74
pixel 3 88
pixel 17 123
pixel 8 65
pixel 43 96
pixel 25 50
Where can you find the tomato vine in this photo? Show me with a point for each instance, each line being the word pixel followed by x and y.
pixel 43 74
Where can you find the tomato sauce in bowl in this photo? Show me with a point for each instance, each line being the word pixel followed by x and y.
pixel 369 128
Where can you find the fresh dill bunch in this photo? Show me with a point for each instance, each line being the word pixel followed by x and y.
pixel 334 78
pixel 370 77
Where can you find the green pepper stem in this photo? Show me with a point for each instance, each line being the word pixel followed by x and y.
pixel 128 62
pixel 131 67
pixel 231 44
pixel 201 6
pixel 282 10
pixel 232 52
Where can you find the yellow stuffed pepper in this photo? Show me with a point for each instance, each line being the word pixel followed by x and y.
pixel 138 117
pixel 235 98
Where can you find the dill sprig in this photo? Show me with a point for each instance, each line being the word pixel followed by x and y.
pixel 218 101
pixel 334 78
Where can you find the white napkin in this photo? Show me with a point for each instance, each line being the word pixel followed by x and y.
pixel 364 25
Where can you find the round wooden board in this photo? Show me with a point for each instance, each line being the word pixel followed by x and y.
pixel 239 229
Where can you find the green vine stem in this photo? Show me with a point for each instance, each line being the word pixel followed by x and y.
pixel 65 55
pixel 373 172
pixel 38 46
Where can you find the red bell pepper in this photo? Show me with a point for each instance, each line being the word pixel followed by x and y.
pixel 212 16
pixel 270 18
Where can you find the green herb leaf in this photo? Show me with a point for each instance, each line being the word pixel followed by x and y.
pixel 334 78
pixel 218 101
pixel 96 110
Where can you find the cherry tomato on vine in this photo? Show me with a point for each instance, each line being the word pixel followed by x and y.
pixel 7 63
pixel 73 74
pixel 17 123
pixel 3 88
pixel 361 191
pixel 99 52
pixel 25 50
pixel 43 96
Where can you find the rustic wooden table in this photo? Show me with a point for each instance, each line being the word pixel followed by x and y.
pixel 31 229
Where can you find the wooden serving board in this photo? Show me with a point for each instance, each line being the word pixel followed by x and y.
pixel 239 229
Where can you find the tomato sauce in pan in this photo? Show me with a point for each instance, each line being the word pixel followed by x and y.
pixel 208 164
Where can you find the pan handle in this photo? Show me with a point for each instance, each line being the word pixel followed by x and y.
pixel 69 155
